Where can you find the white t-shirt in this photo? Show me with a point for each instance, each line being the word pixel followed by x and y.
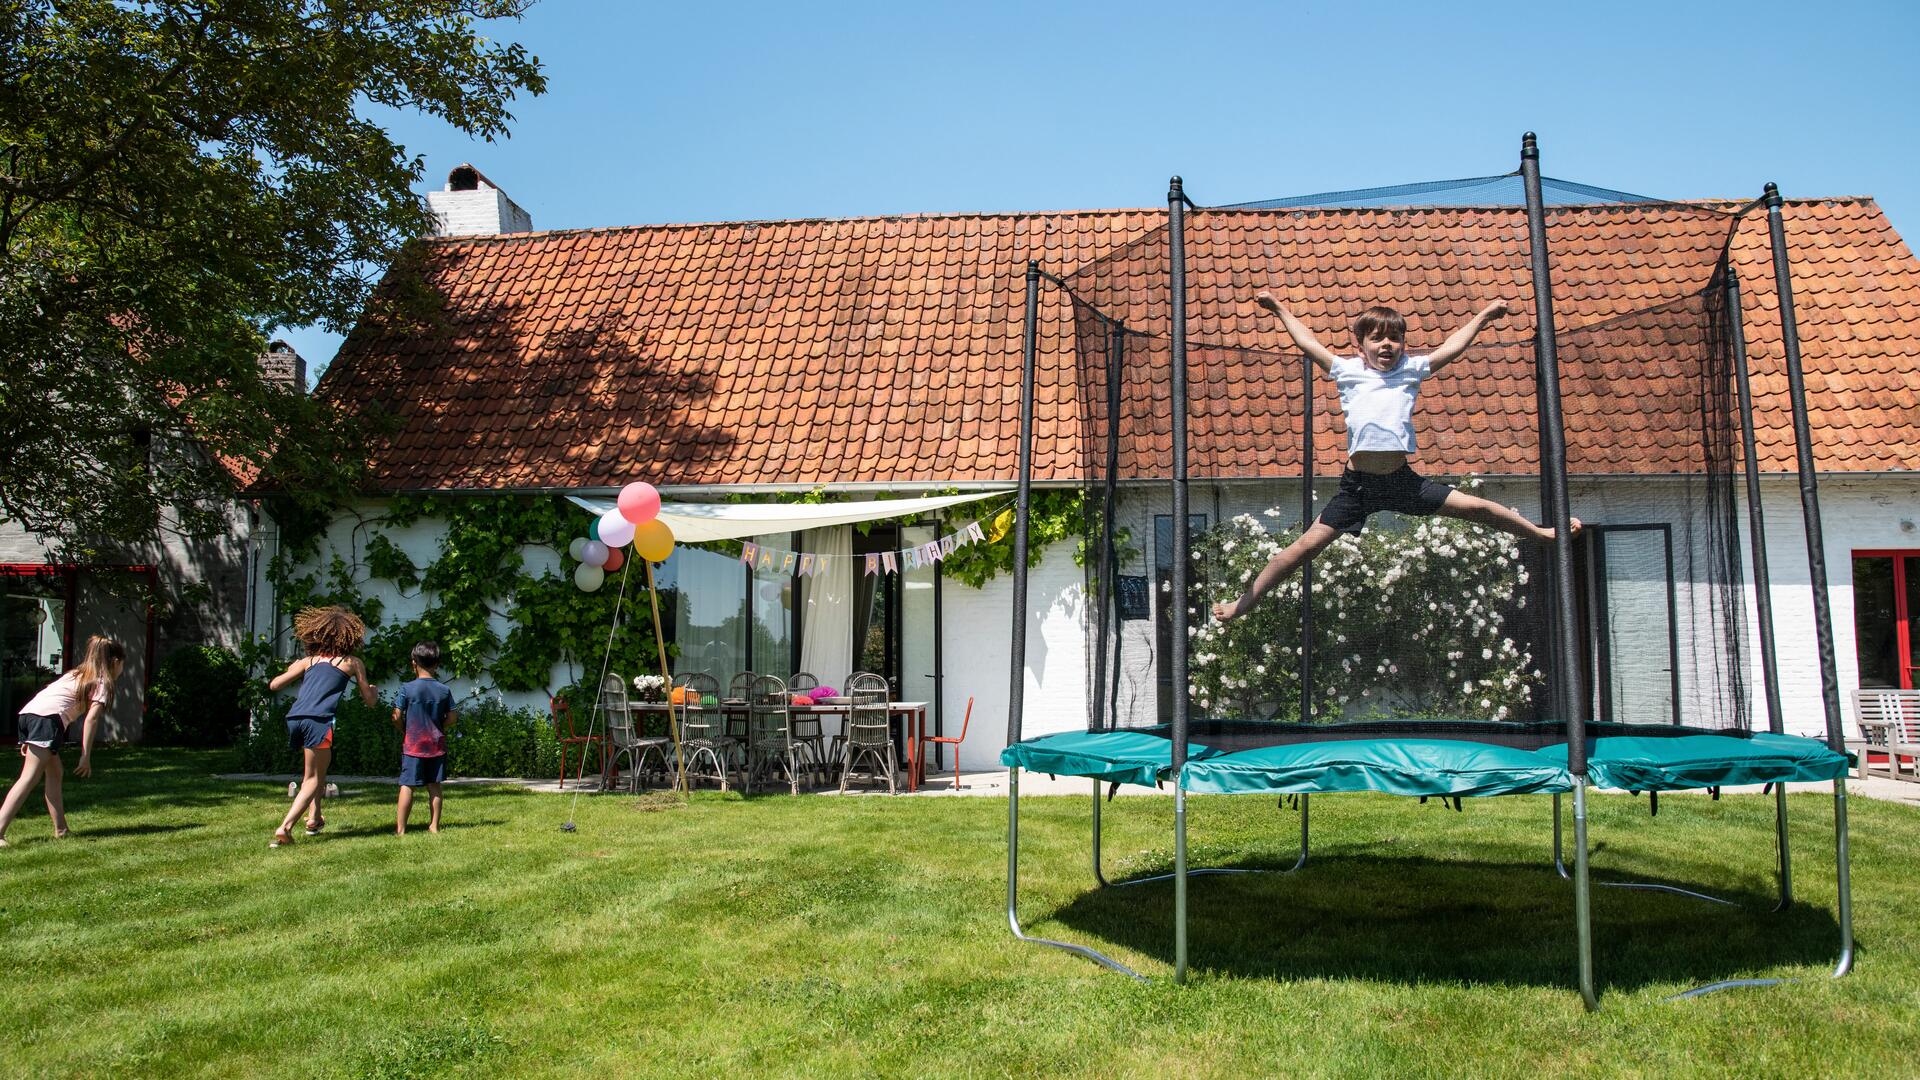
pixel 1378 405
pixel 61 698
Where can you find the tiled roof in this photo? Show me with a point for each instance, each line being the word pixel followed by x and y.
pixel 886 350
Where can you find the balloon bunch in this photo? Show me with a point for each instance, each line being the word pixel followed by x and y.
pixel 633 520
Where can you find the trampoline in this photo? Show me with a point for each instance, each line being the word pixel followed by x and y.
pixel 1433 662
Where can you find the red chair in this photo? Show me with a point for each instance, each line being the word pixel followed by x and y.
pixel 564 733
pixel 926 740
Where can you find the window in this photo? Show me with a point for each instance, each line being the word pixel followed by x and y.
pixel 1163 608
pixel 1886 616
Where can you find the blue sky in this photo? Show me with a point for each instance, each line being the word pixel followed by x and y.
pixel 711 112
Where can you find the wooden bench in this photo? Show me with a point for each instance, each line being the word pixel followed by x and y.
pixel 1889 725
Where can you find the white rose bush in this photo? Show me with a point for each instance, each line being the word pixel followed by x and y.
pixel 1407 622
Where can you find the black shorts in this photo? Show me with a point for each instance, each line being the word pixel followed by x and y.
pixel 47 731
pixel 1362 495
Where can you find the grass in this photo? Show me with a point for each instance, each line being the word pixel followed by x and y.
pixel 820 936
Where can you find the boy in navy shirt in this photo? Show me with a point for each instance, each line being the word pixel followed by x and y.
pixel 422 713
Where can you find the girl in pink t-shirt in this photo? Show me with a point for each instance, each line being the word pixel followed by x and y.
pixel 43 729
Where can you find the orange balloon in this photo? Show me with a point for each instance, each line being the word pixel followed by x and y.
pixel 653 541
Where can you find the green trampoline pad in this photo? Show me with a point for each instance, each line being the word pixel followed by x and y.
pixel 1121 757
pixel 1640 763
pixel 1395 766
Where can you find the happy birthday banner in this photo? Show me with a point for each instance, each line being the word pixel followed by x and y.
pixel 807 564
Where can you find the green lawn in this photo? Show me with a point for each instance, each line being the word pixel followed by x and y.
pixel 820 936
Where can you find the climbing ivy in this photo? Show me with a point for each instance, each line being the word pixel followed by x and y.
pixel 480 572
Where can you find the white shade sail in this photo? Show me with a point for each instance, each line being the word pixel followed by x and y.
pixel 694 523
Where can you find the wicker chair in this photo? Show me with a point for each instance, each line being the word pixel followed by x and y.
pixel 869 736
pixel 739 692
pixel 624 740
pixel 807 730
pixel 705 746
pixel 770 746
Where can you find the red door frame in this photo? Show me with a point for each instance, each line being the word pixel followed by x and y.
pixel 69 573
pixel 1902 618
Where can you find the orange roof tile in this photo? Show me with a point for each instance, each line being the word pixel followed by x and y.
pixel 887 350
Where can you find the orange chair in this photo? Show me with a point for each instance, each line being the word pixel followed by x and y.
pixel 955 742
pixel 565 734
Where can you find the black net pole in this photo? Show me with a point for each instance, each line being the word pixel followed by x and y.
pixel 1756 518
pixel 1816 570
pixel 1570 696
pixel 1102 702
pixel 1809 487
pixel 1553 466
pixel 1181 601
pixel 1016 690
pixel 1306 522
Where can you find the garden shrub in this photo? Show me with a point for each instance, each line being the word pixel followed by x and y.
pixel 1408 621
pixel 195 698
pixel 490 739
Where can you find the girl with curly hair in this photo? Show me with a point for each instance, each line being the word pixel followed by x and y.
pixel 332 636
pixel 43 729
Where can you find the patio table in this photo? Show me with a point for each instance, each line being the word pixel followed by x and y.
pixel 912 716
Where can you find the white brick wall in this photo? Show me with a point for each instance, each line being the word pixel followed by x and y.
pixel 484 211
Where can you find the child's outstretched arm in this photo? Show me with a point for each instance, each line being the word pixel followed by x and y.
pixel 368 695
pixel 1457 342
pixel 294 670
pixel 89 732
pixel 1321 356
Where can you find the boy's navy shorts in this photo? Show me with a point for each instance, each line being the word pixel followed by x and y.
pixel 308 733
pixel 421 771
pixel 1364 494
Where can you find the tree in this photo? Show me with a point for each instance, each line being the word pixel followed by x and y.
pixel 179 178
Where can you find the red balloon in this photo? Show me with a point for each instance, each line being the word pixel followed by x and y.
pixel 639 503
pixel 615 558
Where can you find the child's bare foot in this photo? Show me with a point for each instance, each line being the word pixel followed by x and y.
pixel 433 828
pixel 3 842
pixel 282 838
pixel 1226 610
pixel 62 834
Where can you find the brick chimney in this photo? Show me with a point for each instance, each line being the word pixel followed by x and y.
pixel 472 206
pixel 281 366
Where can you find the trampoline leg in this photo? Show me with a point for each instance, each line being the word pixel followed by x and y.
pixel 1582 902
pixel 1179 882
pixel 1100 876
pixel 1013 887
pixel 1843 874
pixel 1786 862
pixel 1560 867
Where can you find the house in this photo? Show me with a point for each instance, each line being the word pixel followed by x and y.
pixel 881 355
pixel 49 608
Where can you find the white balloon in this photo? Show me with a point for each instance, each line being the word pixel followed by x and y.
pixel 588 577
pixel 594 555
pixel 578 549
pixel 615 531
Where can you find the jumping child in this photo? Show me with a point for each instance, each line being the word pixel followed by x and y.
pixel 422 713
pixel 1378 388
pixel 332 636
pixel 43 730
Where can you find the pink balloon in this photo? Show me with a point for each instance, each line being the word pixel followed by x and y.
pixel 595 555
pixel 639 503
pixel 615 531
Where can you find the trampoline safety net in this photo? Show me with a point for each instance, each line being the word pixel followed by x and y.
pixel 1417 625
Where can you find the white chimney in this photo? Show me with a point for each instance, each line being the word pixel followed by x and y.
pixel 282 366
pixel 472 206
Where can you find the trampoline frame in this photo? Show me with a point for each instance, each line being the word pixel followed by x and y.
pixel 1562 629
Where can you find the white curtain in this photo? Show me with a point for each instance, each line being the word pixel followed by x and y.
pixel 826 629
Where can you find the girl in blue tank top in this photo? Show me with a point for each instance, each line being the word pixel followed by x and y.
pixel 332 636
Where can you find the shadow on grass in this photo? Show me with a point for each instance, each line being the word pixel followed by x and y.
pixel 1418 920
pixel 134 830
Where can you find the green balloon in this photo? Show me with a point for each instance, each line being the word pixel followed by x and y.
pixel 593 528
